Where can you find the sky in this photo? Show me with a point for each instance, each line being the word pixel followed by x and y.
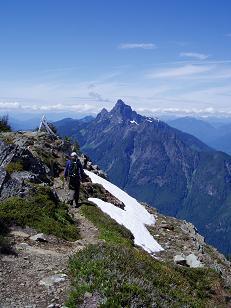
pixel 74 57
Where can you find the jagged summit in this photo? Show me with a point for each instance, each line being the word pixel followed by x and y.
pixel 122 110
pixel 103 114
pixel 120 106
pixel 122 113
pixel 120 102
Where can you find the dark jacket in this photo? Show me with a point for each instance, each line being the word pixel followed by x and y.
pixel 68 171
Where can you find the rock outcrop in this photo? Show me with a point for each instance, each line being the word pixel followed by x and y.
pixel 33 157
pixel 184 246
pixel 18 168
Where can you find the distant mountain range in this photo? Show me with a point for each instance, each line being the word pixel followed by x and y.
pixel 160 165
pixel 29 124
pixel 33 123
pixel 216 136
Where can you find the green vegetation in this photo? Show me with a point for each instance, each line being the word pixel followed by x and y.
pixel 4 124
pixel 67 139
pixel 40 211
pixel 109 229
pixel 6 138
pixel 14 167
pixel 128 277
pixel 125 276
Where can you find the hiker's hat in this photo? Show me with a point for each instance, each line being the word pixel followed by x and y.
pixel 74 154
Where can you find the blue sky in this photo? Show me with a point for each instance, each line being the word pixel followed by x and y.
pixel 76 57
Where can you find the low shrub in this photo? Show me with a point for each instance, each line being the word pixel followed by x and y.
pixel 4 124
pixel 109 229
pixel 40 211
pixel 14 167
pixel 127 277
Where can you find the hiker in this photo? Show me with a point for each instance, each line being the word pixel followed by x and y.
pixel 74 172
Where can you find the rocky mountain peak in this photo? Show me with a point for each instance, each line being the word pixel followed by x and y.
pixel 102 115
pixel 122 110
pixel 104 111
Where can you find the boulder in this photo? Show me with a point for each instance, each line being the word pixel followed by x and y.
pixel 52 280
pixel 40 237
pixel 16 183
pixel 166 226
pixel 180 259
pixel 193 261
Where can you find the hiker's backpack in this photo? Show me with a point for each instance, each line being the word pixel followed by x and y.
pixel 74 169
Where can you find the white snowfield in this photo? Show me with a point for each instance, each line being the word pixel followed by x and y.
pixel 134 216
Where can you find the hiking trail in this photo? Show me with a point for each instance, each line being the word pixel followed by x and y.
pixel 37 277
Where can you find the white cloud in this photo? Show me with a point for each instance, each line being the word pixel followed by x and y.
pixel 194 55
pixel 209 110
pixel 180 87
pixel 182 71
pixel 137 45
pixel 9 105
pixel 81 108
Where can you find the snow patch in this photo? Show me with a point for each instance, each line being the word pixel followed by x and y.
pixel 134 122
pixel 134 216
pixel 151 120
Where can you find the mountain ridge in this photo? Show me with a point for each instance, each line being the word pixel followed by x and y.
pixel 160 165
pixel 216 136
pixel 80 271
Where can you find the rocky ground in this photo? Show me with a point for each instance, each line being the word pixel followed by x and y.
pixel 37 275
pixel 184 246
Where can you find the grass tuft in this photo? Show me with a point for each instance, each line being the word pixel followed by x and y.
pixel 128 277
pixel 109 229
pixel 14 167
pixel 40 211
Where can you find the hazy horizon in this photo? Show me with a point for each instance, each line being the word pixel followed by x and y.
pixel 161 57
pixel 36 116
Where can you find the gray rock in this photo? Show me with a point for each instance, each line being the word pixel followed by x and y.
pixel 192 261
pixel 180 259
pixel 34 170
pixel 40 237
pixel 51 280
pixel 19 234
pixel 2 176
pixel 88 294
pixel 23 246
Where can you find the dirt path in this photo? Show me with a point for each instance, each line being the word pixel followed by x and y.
pixel 38 277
